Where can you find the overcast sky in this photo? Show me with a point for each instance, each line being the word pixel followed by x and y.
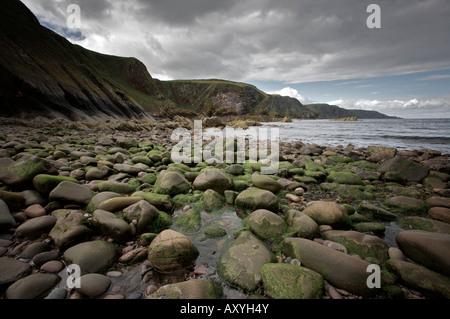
pixel 314 50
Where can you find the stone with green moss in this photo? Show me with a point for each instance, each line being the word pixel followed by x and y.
pixel 367 209
pixel 149 178
pixel 162 202
pixel 20 174
pixel 214 231
pixel 191 289
pixel 305 179
pixel 423 223
pixel 286 281
pixel 266 225
pixel 265 182
pixel 358 243
pixel 318 176
pixel 241 263
pixel 171 183
pixel 370 227
pixel 344 178
pixel 340 159
pixel 254 198
pixel 189 222
pixel 406 205
pixel 313 166
pixel 116 187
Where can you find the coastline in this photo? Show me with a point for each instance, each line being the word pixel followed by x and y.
pixel 377 192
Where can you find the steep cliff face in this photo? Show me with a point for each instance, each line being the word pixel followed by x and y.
pixel 43 74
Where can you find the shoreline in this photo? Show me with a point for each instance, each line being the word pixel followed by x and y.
pixel 81 164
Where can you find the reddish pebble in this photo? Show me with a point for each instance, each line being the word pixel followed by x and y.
pixel 35 210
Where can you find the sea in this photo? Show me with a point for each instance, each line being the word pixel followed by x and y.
pixel 403 134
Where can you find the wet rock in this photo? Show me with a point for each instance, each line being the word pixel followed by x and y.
pixel 171 251
pixel 69 230
pixel 326 213
pixel 344 178
pixel 358 243
pixel 214 179
pixel 301 225
pixel 406 205
pixel 426 248
pixel 71 192
pixel 21 173
pixel 422 223
pixel 212 200
pixel 52 266
pixel 241 263
pixel 171 183
pixel 192 289
pixel 135 255
pixel 254 198
pixel 266 182
pixel 34 286
pixel 93 285
pixel 440 213
pixel 118 203
pixel 42 258
pixel 214 231
pixel 266 225
pixel 162 202
pixel 93 256
pixel 15 201
pixel 34 228
pixel 35 210
pixel 376 212
pixel 399 169
pixel 6 219
pixel 144 213
pixel 98 199
pixel 33 249
pixel 339 269
pixel 286 281
pixel 45 183
pixel 420 278
pixel 189 222
pixel 12 270
pixel 110 225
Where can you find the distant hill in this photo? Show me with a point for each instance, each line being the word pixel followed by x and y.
pixel 326 111
pixel 43 74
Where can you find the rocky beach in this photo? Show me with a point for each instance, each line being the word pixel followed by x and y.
pixel 106 197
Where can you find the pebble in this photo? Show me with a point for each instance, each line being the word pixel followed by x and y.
pixel 35 210
pixel 395 253
pixel 334 294
pixel 151 289
pixel 335 246
pixel 293 198
pixel 114 274
pixel 52 266
pixel 325 228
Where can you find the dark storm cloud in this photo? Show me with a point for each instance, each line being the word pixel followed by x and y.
pixel 276 40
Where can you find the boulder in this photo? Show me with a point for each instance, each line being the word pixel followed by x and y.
pixel 380 153
pixel 69 230
pixel 98 199
pixel 15 201
pixel 420 278
pixel 326 213
pixel 286 281
pixel 191 289
pixel 71 192
pixel 339 269
pixel 406 205
pixel 358 243
pixel 6 219
pixel 255 198
pixel 426 248
pixel 171 251
pixel 20 174
pixel 34 286
pixel 45 183
pixel 212 200
pixel 35 227
pixel 93 285
pixel 144 213
pixel 171 183
pixel 162 202
pixel 266 182
pixel 12 270
pixel 301 225
pixel 214 179
pixel 94 256
pixel 110 225
pixel 266 225
pixel 189 222
pixel 241 263
pixel 423 223
pixel 399 169
pixel 344 178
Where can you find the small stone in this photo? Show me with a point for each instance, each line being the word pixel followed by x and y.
pixel 35 211
pixel 53 266
pixel 395 253
pixel 93 285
